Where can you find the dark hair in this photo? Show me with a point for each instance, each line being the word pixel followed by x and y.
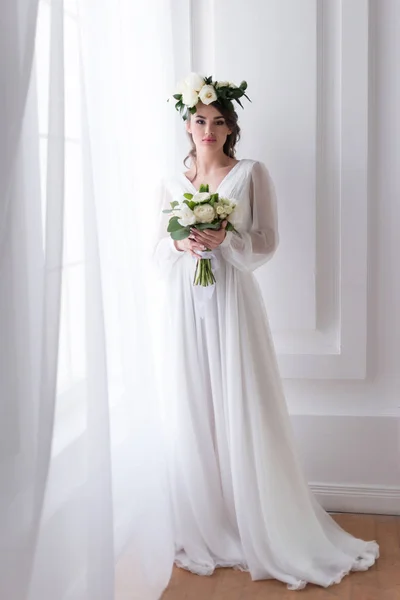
pixel 231 119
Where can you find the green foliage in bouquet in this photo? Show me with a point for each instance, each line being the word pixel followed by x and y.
pixel 179 231
pixel 200 211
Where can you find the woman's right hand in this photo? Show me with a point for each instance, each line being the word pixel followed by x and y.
pixel 189 245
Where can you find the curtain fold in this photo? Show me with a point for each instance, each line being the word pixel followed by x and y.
pixel 17 38
pixel 130 149
pixel 83 476
pixel 30 282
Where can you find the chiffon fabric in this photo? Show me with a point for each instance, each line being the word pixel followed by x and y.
pixel 238 493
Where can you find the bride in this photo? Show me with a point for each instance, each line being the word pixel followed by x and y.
pixel 238 493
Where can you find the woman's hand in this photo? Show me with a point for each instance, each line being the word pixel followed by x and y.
pixel 210 238
pixel 190 245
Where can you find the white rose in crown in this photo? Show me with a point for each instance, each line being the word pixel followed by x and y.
pixel 204 213
pixel 201 197
pixel 185 215
pixel 221 84
pixel 207 94
pixel 194 81
pixel 189 97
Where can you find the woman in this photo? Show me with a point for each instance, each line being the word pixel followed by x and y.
pixel 238 493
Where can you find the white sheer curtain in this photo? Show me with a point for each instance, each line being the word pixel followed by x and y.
pixel 83 479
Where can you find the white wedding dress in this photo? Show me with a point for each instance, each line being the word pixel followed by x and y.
pixel 238 492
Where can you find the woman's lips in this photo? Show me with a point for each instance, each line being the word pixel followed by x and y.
pixel 209 140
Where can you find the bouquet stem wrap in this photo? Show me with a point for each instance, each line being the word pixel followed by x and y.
pixel 201 211
pixel 204 279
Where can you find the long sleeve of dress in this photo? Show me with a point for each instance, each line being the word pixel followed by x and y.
pixel 165 253
pixel 253 248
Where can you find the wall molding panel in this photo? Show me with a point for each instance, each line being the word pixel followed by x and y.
pixel 312 132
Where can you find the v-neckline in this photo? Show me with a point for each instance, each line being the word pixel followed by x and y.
pixel 221 182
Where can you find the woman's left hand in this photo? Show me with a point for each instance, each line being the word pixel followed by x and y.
pixel 210 238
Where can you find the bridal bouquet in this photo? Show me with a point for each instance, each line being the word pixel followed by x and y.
pixel 201 210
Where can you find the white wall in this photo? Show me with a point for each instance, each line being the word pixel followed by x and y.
pixel 349 432
pixel 324 78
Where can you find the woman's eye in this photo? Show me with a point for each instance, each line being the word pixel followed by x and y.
pixel 200 122
pixel 220 123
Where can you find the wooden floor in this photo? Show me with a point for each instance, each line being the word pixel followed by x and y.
pixel 381 582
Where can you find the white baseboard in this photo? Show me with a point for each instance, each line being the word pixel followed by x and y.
pixel 358 499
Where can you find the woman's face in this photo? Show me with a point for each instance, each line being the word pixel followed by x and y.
pixel 208 128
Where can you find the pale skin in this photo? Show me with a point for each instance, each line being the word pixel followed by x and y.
pixel 209 132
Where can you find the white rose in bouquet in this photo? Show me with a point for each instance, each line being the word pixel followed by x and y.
pixel 200 197
pixel 185 215
pixel 207 94
pixel 204 213
pixel 220 209
pixel 224 207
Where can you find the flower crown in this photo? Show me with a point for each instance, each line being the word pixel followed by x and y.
pixel 195 88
